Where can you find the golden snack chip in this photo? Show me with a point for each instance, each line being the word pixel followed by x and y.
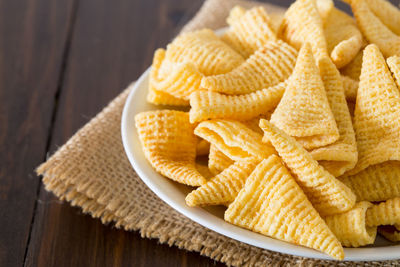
pixel 384 213
pixel 234 139
pixel 327 194
pixel 209 54
pixel 212 105
pixel 268 66
pixel 343 38
pixel 377 113
pixel 394 65
pixel 155 96
pixel 353 69
pixel 304 110
pixel 302 24
pixel 374 30
pixel 375 183
pixel 202 147
pixel 234 14
pixel 218 161
pixel 248 31
pixel 272 204
pixel 341 156
pixel 223 188
pixel 350 87
pixel 387 13
pixel 169 144
pixel 204 171
pixel 389 232
pixel 350 227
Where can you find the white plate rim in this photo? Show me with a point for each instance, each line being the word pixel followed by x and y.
pixel 152 179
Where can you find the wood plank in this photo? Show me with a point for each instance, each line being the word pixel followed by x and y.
pixel 113 43
pixel 32 39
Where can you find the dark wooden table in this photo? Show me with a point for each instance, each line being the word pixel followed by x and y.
pixel 61 61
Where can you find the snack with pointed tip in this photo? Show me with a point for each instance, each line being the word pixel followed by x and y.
pixel 351 228
pixel 394 65
pixel 384 213
pixel 374 30
pixel 234 139
pixel 205 50
pixel 212 105
pixel 377 113
pixel 169 144
pixel 376 183
pixel 272 204
pixel 341 156
pixel 269 65
pixel 327 194
pixel 304 110
pixel 224 187
pixel 249 30
pixel 218 161
pixel 303 24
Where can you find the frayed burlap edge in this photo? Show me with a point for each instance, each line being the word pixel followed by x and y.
pixel 91 171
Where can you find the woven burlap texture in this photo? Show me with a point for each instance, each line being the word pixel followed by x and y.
pixel 92 171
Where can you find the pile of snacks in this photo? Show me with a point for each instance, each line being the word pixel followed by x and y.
pixel 299 118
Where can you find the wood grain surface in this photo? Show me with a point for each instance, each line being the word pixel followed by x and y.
pixel 61 62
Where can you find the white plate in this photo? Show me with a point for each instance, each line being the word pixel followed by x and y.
pixel 174 194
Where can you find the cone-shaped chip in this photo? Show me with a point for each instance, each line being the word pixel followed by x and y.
pixel 169 144
pixel 268 66
pixel 387 13
pixel 384 213
pixel 394 65
pixel 248 32
pixel 234 139
pixel 353 69
pixel 341 156
pixel 374 30
pixel 217 161
pixel 304 111
pixel 327 194
pixel 350 227
pixel 377 113
pixel 350 87
pixel 223 188
pixel 272 204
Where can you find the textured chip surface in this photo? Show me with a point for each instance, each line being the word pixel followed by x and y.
pixel 169 144
pixel 327 194
pixel 272 204
pixel 394 65
pixel 384 213
pixel 218 161
pixel 304 110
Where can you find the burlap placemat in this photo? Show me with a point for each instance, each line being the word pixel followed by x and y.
pixel 91 171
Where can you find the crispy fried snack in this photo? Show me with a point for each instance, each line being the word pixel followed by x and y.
pixel 249 30
pixel 384 213
pixel 218 161
pixel 202 147
pixel 183 78
pixel 209 54
pixel 350 87
pixel 272 204
pixel 387 13
pixel 327 194
pixel 341 156
pixel 268 66
pixel 377 113
pixel 303 24
pixel 223 188
pixel 343 38
pixel 234 139
pixel 212 105
pixel 351 228
pixel 394 65
pixel 353 69
pixel 304 111
pixel 204 170
pixel 376 183
pixel 156 96
pixel 374 30
pixel 169 144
